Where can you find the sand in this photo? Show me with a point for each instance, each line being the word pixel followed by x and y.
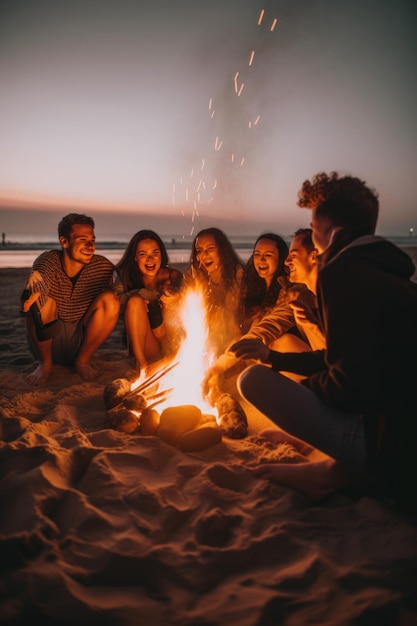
pixel 102 527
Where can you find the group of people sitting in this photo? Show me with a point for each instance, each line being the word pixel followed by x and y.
pixel 326 329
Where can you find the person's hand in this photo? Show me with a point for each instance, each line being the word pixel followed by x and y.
pixel 210 387
pixel 302 314
pixel 28 298
pixel 250 349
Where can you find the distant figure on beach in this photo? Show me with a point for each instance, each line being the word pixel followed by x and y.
pixel 217 270
pixel 269 300
pixel 150 295
pixel 68 302
pixel 358 403
pixel 3 239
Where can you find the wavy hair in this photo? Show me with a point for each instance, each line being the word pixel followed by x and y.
pixel 128 270
pixel 254 290
pixel 229 259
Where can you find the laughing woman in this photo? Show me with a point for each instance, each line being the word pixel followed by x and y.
pixel 217 270
pixel 150 292
pixel 265 307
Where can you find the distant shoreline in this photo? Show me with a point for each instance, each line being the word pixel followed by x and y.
pixel 21 256
pixel 173 243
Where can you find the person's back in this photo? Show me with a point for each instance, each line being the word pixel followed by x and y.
pixel 372 350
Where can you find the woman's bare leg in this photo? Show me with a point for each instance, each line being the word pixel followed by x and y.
pixel 144 345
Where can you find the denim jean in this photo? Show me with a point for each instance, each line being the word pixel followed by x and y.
pixel 299 412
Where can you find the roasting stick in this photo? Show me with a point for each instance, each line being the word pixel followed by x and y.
pixel 154 378
pixel 163 394
pixel 147 383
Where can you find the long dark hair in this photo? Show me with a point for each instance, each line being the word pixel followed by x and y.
pixel 254 290
pixel 229 259
pixel 127 268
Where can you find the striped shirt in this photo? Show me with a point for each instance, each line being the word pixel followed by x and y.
pixel 72 296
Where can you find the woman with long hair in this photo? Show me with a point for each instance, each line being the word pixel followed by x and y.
pixel 216 268
pixel 150 292
pixel 266 313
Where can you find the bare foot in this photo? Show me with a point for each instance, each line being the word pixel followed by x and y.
pixel 40 375
pixel 277 436
pixel 85 371
pixel 315 480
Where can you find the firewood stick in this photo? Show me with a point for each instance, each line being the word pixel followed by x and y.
pixel 162 399
pixel 154 378
pixel 147 383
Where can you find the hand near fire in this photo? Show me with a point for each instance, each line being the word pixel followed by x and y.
pixel 250 349
pixel 211 385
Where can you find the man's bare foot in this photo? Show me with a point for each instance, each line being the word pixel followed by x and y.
pixel 40 375
pixel 314 479
pixel 277 436
pixel 86 371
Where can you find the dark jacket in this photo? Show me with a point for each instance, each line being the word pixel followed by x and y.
pixel 368 308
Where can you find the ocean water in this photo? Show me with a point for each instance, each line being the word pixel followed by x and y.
pixel 20 252
pixel 20 256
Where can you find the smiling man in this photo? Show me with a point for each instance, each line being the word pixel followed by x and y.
pixel 68 301
pixel 302 264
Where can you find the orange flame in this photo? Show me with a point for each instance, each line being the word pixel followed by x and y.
pixel 193 357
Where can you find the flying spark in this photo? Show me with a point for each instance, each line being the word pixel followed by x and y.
pixel 251 57
pixel 236 75
pixel 261 16
pixel 274 23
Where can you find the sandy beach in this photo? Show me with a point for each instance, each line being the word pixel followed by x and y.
pixel 103 527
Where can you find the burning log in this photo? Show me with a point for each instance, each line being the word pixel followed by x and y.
pixel 149 422
pixel 123 420
pixel 232 418
pixel 115 391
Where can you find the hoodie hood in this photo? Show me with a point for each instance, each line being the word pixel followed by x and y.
pixel 379 253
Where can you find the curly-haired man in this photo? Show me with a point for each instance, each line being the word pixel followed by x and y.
pixel 358 403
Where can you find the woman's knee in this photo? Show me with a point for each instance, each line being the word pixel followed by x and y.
pixel 136 305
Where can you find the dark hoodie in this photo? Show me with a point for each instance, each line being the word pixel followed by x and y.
pixel 368 308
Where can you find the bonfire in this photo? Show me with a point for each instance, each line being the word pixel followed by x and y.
pixel 169 402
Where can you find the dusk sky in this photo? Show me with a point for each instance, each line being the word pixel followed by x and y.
pixel 203 111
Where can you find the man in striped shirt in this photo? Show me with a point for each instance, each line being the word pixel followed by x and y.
pixel 70 305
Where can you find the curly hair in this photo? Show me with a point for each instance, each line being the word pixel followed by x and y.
pixel 229 259
pixel 254 290
pixel 345 201
pixel 67 222
pixel 127 268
